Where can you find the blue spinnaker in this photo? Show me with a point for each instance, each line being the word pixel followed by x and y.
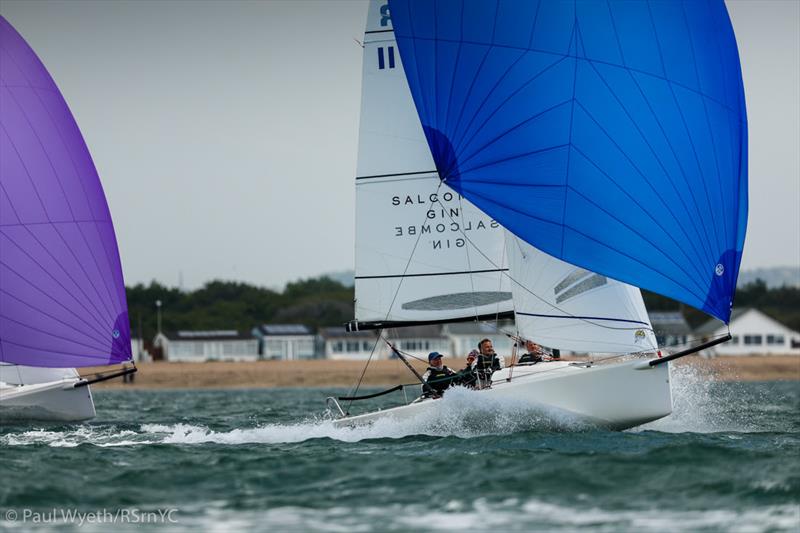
pixel 612 135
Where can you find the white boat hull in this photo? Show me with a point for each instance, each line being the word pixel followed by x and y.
pixel 613 396
pixel 55 400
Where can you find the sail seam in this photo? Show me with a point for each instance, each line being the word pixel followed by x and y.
pixel 60 284
pixel 710 134
pixel 571 120
pixel 688 136
pixel 96 312
pixel 666 205
pixel 624 191
pixel 577 317
pixel 519 156
pixel 59 352
pixel 562 55
pixel 88 334
pixel 652 267
pixel 58 179
pixel 470 272
pixel 453 77
pixel 460 144
pixel 463 143
pixel 85 273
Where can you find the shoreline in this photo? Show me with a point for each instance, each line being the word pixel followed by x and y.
pixel 328 373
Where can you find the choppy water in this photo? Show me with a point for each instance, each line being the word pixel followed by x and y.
pixel 728 459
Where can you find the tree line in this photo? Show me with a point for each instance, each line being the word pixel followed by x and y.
pixel 316 302
pixel 320 302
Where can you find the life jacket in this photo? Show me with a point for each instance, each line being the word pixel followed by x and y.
pixel 437 379
pixel 486 365
pixel 530 358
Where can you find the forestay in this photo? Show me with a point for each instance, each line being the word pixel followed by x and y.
pixel 423 253
pixel 611 135
pixel 62 296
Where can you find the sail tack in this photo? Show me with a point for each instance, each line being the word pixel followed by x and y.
pixel 62 295
pixel 611 135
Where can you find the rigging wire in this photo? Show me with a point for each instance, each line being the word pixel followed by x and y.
pixel 396 292
pixel 466 253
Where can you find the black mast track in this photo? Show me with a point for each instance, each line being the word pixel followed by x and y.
pixel 355 325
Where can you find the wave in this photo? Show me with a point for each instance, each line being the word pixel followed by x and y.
pixel 461 413
pixel 700 404
pixel 511 514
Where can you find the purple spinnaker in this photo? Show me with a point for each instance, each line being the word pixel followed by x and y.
pixel 62 295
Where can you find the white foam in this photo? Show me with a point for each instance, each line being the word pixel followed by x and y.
pixel 508 515
pixel 98 436
pixel 462 413
pixel 699 405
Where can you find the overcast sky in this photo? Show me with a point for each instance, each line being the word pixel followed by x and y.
pixel 225 133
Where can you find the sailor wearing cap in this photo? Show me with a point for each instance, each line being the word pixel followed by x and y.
pixel 438 377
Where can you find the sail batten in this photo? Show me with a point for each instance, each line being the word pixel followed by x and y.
pixel 633 112
pixel 62 294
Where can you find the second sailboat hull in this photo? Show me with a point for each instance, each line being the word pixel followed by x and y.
pixel 53 401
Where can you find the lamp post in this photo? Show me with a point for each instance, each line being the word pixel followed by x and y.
pixel 158 314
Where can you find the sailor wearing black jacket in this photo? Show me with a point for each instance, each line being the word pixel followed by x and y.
pixel 487 363
pixel 438 377
pixel 535 354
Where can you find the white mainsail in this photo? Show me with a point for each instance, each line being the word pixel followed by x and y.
pixel 563 306
pixel 422 252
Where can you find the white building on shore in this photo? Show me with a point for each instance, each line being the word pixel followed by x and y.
pixel 286 342
pixel 753 333
pixel 201 346
pixel 415 341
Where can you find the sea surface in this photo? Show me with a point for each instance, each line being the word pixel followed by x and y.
pixel 728 459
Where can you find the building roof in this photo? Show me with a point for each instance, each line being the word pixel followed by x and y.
pixel 206 335
pixel 284 329
pixel 669 323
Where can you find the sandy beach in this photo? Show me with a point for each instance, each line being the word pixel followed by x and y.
pixel 326 373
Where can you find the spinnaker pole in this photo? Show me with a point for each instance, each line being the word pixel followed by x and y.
pixel 690 351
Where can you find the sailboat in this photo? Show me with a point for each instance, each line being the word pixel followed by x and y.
pixel 545 160
pixel 62 295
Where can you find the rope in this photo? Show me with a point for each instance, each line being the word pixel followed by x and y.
pixel 394 298
pixel 364 371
